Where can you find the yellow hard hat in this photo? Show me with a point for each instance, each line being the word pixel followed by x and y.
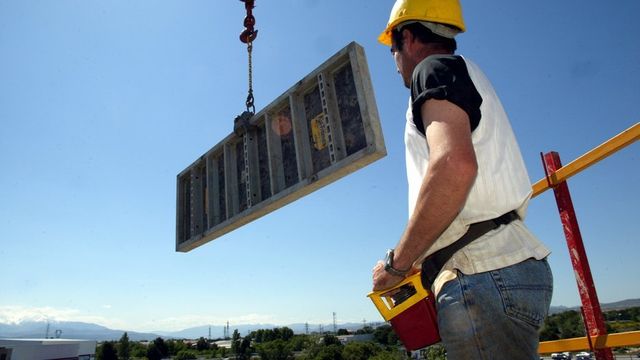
pixel 448 12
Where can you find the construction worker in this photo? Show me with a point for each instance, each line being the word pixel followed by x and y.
pixel 468 194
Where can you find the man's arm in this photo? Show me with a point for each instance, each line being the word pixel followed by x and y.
pixel 450 175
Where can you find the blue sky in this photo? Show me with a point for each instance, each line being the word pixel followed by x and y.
pixel 103 103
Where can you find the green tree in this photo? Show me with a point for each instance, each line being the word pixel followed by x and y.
pixel 124 347
pixel 328 347
pixel 564 325
pixel 343 332
pixel 235 341
pixel 245 349
pixel 275 350
pixel 162 346
pixel 365 330
pixel 435 352
pixel 623 320
pixel 285 333
pixel 241 346
pixel 107 351
pixel 258 335
pixel 202 344
pixel 385 335
pixel 328 340
pixel 266 335
pixel 331 352
pixel 300 342
pixel 318 347
pixel 158 349
pixel 186 355
pixel 138 350
pixel 390 354
pixel 153 353
pixel 175 346
pixel 360 350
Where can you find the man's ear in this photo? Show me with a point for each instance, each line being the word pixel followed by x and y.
pixel 407 38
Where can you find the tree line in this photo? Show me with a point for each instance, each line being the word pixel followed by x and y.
pixel 283 344
pixel 569 324
pixel 267 344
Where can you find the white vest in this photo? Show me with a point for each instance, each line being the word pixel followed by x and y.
pixel 502 184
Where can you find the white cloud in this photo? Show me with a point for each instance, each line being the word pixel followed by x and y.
pixel 17 314
pixel 14 314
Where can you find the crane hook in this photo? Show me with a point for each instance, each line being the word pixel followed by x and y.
pixel 249 34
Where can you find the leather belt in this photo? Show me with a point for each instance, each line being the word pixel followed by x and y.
pixel 433 263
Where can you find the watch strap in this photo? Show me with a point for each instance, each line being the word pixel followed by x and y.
pixel 388 265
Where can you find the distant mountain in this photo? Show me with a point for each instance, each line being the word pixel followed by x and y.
pixel 80 330
pixel 68 330
pixel 618 305
pixel 216 331
pixel 559 309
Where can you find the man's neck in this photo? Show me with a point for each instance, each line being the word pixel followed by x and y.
pixel 432 49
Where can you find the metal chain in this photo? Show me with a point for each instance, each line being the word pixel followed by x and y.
pixel 250 106
pixel 247 36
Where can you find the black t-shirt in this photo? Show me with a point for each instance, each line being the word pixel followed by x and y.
pixel 444 77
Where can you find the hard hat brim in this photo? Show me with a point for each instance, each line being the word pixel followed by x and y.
pixel 385 37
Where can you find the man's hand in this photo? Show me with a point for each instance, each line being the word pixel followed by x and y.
pixel 382 279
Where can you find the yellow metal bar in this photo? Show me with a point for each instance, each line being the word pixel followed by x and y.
pixel 630 338
pixel 609 147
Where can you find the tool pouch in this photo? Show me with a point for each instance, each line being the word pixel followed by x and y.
pixel 410 309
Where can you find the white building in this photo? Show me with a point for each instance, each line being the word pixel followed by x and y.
pixel 47 349
pixel 345 339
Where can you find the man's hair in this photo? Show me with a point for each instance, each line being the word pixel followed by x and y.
pixel 424 35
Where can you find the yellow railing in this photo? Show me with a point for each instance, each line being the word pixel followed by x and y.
pixel 609 147
pixel 598 342
pixel 614 144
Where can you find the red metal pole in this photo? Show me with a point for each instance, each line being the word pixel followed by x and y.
pixel 584 321
pixel 591 306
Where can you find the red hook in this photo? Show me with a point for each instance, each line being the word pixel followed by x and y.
pixel 249 34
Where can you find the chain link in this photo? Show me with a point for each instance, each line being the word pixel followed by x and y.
pixel 247 36
pixel 249 103
pixel 242 122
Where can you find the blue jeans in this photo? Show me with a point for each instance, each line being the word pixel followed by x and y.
pixel 495 314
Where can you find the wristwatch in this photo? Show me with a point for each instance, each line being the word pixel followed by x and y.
pixel 388 265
